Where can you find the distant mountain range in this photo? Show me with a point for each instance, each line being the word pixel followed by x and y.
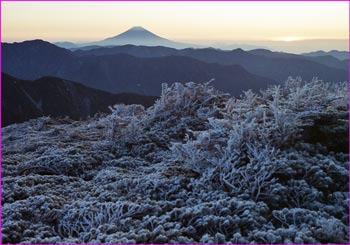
pixel 140 36
pixel 341 55
pixel 136 36
pixel 327 60
pixel 23 100
pixel 274 65
pixel 121 72
pixel 43 72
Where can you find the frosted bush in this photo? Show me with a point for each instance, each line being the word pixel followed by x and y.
pixel 79 218
pixel 197 167
pixel 123 122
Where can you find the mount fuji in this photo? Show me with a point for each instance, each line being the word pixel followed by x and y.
pixel 136 35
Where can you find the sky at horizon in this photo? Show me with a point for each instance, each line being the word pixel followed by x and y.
pixel 282 24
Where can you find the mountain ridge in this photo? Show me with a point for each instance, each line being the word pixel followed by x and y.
pixel 28 99
pixel 125 73
pixel 274 65
pixel 340 55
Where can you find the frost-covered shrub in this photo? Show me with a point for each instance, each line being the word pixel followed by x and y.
pixel 180 109
pixel 254 178
pixel 123 122
pixel 324 228
pixel 22 215
pixel 272 120
pixel 300 194
pixel 315 94
pixel 197 167
pixel 331 231
pixel 66 161
pixel 126 162
pixel 82 217
pixel 200 100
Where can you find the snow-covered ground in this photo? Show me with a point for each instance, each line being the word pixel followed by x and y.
pixel 197 167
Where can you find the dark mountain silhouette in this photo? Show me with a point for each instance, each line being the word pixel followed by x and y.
pixel 340 55
pixel 346 64
pixel 274 65
pixel 35 59
pixel 330 61
pixel 124 73
pixel 90 47
pixel 272 54
pixel 16 105
pixel 137 51
pixel 23 100
pixel 327 60
pixel 114 70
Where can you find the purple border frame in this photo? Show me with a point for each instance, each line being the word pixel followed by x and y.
pixel 171 1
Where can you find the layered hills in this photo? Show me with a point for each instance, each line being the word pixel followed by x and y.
pixel 49 96
pixel 138 61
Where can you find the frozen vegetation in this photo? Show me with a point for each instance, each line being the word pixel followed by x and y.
pixel 197 167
